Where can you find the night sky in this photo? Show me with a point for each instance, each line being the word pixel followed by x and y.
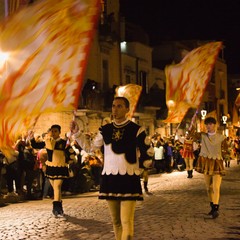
pixel 209 20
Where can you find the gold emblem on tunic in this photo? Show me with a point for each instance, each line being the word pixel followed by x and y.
pixel 117 134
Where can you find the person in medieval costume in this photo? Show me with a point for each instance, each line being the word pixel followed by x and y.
pixel 126 152
pixel 188 155
pixel 210 163
pixel 60 155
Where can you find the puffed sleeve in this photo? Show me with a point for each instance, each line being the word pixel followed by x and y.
pixel 97 141
pixel 145 148
pixel 70 154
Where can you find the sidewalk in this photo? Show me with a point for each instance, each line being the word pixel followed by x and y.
pixel 177 210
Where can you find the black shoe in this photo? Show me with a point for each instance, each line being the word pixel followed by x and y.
pixel 211 205
pixel 215 213
pixel 55 213
pixel 57 209
pixel 145 186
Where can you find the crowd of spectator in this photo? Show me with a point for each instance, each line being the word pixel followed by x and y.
pixel 24 175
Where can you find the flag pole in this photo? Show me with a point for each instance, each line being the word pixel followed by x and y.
pixel 6 8
pixel 193 120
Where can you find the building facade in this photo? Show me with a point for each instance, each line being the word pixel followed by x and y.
pixel 120 54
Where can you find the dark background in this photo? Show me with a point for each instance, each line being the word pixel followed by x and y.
pixel 209 20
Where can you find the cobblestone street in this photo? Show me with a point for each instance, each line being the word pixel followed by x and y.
pixel 177 210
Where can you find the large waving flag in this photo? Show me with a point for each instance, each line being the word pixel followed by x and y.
pixel 186 81
pixel 44 50
pixel 132 92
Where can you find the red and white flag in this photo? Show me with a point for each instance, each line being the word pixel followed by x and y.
pixel 186 81
pixel 44 49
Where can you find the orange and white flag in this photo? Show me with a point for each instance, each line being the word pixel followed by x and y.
pixel 236 107
pixel 186 81
pixel 14 5
pixel 44 49
pixel 132 92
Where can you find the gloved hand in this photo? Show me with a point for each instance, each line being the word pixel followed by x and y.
pixel 74 128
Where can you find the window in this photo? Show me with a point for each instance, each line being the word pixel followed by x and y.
pixel 143 81
pixel 128 79
pixel 105 76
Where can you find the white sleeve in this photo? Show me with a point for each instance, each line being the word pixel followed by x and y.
pixel 97 142
pixel 83 140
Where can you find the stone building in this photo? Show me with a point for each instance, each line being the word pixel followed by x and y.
pixel 120 54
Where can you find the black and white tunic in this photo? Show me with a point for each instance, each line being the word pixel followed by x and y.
pixel 59 154
pixel 125 149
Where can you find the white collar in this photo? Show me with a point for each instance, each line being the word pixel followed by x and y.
pixel 123 122
pixel 211 134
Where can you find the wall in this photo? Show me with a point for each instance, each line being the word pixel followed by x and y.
pixel 45 121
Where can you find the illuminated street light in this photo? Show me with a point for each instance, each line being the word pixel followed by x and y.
pixel 224 118
pixel 203 113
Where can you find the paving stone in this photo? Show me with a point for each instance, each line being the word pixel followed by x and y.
pixel 177 210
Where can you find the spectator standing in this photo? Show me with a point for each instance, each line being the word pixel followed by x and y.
pixel 227 152
pixel 28 167
pixel 169 156
pixel 237 149
pixel 22 164
pixel 159 161
pixel 12 175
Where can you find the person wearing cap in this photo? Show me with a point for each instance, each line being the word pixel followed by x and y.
pixel 210 163
pixel 59 156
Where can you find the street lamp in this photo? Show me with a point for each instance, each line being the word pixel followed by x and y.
pixel 203 113
pixel 224 119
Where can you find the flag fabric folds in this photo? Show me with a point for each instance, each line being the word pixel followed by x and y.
pixel 13 5
pixel 44 49
pixel 235 120
pixel 186 81
pixel 132 92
